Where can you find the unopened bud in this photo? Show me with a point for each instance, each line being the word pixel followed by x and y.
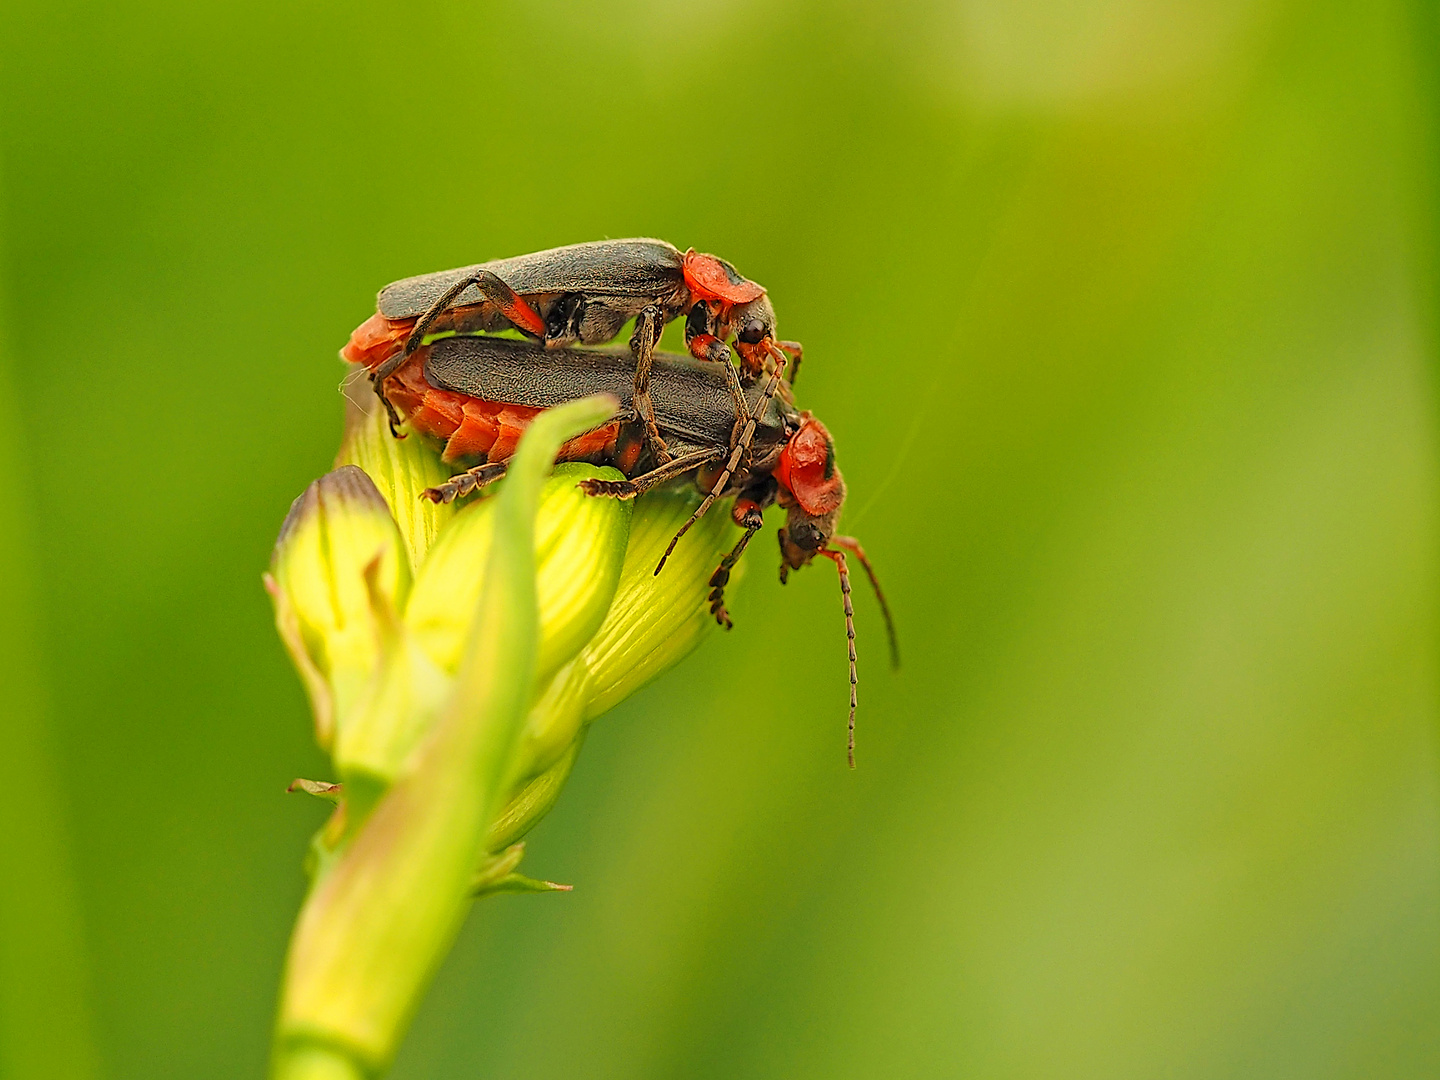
pixel 338 559
pixel 454 659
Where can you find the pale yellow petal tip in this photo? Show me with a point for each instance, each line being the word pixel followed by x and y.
pixel 338 554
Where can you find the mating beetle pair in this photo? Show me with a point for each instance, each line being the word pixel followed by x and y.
pixel 584 293
pixel 477 394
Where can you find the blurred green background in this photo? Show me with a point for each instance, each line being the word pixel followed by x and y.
pixel 1122 316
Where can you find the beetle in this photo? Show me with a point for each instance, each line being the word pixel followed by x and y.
pixel 477 394
pixel 584 293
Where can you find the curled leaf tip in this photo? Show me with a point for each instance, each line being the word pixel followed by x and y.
pixel 519 883
pixel 319 788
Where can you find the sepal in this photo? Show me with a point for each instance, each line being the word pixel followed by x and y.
pixel 498 875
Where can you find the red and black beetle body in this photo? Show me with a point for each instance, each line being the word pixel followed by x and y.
pixel 478 394
pixel 583 293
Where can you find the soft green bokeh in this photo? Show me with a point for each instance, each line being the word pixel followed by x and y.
pixel 1122 315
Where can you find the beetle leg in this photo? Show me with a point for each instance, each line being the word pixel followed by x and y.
pixel 462 484
pixel 772 386
pixel 704 345
pixel 709 347
pixel 742 407
pixel 742 445
pixel 642 346
pixel 797 353
pixel 377 383
pixel 391 416
pixel 732 382
pixel 629 489
pixel 721 577
pixel 510 303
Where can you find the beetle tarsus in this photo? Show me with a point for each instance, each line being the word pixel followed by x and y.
pixel 629 489
pixel 721 577
pixel 462 484
pixel 609 489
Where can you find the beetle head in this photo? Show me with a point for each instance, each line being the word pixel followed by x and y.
pixel 753 325
pixel 811 489
pixel 805 536
pixel 737 306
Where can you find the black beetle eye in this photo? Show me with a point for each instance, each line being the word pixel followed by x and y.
pixel 753 332
pixel 697 322
pixel 806 536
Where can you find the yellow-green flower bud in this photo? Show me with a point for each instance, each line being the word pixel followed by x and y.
pixel 384 910
pixel 455 658
pixel 337 571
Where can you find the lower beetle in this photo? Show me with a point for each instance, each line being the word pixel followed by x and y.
pixel 583 293
pixel 476 395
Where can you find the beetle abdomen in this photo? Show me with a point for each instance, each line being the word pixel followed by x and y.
pixel 474 430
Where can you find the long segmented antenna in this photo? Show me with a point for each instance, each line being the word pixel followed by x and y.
pixel 742 444
pixel 850 544
pixel 838 558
